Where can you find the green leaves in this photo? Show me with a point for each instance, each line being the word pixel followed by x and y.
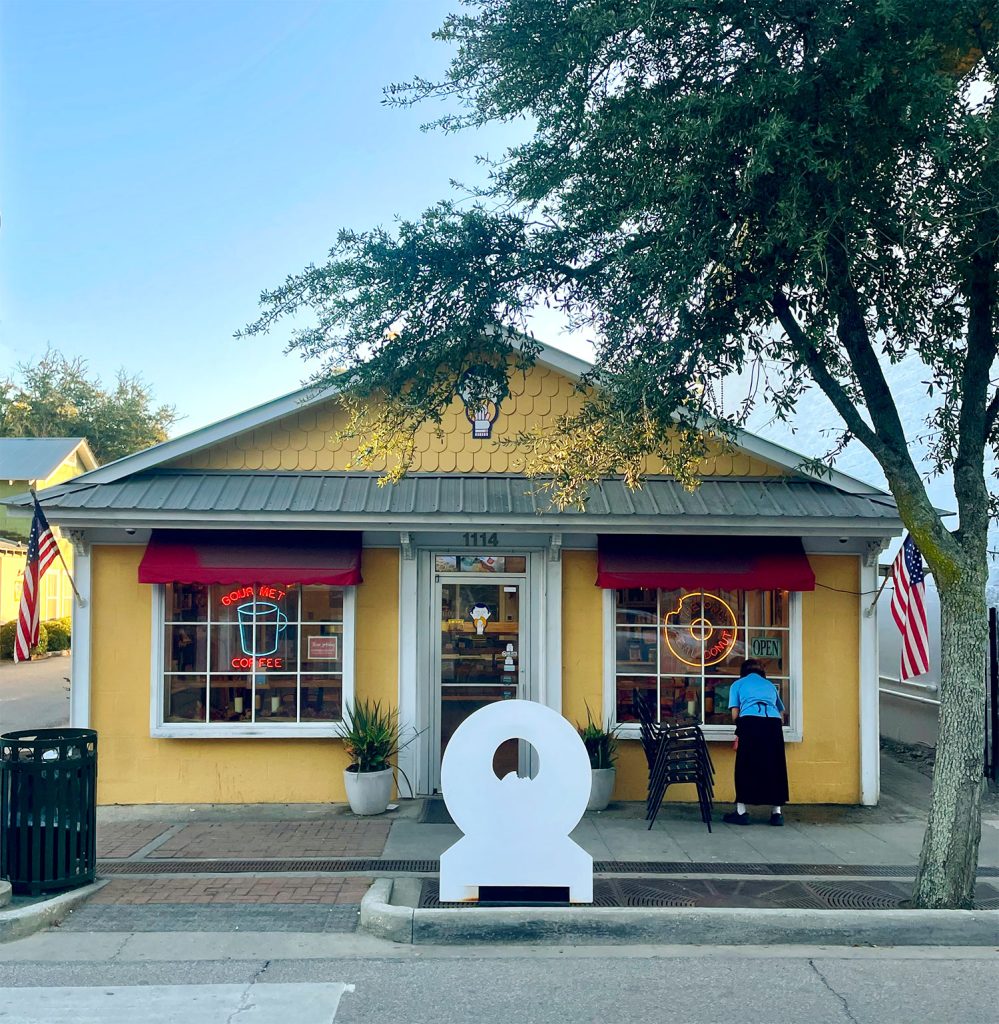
pixel 601 744
pixel 56 397
pixel 805 189
pixel 370 735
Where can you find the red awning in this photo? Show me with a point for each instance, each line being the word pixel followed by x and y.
pixel 727 562
pixel 221 556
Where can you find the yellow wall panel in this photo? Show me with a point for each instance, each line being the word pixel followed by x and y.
pixel 135 768
pixel 825 766
pixel 582 637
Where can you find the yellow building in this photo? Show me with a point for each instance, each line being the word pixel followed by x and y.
pixel 243 584
pixel 38 463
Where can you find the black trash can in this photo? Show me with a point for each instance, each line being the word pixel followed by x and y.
pixel 48 809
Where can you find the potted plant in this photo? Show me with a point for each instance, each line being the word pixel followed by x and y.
pixel 601 745
pixel 370 735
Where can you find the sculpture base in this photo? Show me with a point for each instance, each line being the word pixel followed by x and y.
pixel 552 864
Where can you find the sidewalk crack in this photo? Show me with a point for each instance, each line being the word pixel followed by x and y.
pixel 121 949
pixel 832 991
pixel 245 998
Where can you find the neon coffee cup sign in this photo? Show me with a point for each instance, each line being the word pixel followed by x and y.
pixel 261 625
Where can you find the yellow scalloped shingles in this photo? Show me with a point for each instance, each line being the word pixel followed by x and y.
pixel 253 460
pixel 304 439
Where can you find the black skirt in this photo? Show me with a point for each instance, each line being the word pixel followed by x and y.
pixel 760 767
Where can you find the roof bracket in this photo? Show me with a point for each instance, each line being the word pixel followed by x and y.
pixel 406 543
pixel 81 546
pixel 872 551
pixel 555 547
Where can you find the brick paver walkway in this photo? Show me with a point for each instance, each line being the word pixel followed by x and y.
pixel 124 839
pixel 252 840
pixel 257 889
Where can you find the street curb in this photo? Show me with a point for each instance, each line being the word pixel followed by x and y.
pixel 379 917
pixel 17 924
pixel 578 926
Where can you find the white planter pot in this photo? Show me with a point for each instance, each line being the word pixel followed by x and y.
pixel 601 788
pixel 368 792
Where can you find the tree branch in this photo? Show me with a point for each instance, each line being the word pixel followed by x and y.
pixel 991 415
pixel 915 507
pixel 973 425
pixel 831 387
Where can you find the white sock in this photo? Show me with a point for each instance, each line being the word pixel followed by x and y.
pixel 776 810
pixel 740 808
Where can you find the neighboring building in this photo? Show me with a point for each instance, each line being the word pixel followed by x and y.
pixel 243 584
pixel 35 462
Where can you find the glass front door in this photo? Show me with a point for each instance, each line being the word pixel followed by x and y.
pixel 480 654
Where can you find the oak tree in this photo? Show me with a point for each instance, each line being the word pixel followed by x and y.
pixel 806 186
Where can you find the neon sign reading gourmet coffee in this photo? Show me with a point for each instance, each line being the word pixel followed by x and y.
pixel 241 593
pixel 702 629
pixel 261 624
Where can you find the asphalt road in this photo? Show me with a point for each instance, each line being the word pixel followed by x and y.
pixel 386 984
pixel 34 694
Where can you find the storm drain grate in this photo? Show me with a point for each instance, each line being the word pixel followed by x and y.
pixel 757 894
pixel 239 867
pixel 345 865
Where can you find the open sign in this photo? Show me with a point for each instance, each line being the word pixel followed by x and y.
pixel 766 647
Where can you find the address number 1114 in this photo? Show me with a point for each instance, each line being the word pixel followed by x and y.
pixel 477 540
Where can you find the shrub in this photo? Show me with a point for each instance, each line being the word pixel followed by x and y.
pixel 7 633
pixel 59 634
pixel 600 743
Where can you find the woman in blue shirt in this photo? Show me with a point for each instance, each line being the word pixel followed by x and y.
pixel 760 766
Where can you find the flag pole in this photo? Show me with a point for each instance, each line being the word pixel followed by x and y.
pixel 868 612
pixel 69 575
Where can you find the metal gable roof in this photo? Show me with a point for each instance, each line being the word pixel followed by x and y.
pixel 287 497
pixel 571 366
pixel 35 458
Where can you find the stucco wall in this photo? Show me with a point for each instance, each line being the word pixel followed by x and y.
pixel 135 768
pixel 824 767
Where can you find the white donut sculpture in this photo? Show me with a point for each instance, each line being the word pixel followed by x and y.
pixel 516 830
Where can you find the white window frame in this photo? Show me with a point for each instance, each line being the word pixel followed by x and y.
pixel 793 730
pixel 248 730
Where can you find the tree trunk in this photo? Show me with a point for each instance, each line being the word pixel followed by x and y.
pixel 949 858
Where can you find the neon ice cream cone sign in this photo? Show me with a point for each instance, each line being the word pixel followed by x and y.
pixel 701 629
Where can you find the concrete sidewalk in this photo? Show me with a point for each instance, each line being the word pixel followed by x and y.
pixel 306 868
pixel 888 835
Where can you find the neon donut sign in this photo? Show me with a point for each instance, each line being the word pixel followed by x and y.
pixel 703 626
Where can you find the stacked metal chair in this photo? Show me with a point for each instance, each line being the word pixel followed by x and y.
pixel 675 754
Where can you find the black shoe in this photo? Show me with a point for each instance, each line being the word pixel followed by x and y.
pixel 776 819
pixel 733 818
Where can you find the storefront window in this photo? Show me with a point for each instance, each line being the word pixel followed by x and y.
pixel 255 654
pixel 682 649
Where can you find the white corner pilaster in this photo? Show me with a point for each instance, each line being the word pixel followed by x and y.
pixel 412 728
pixel 79 684
pixel 551 631
pixel 870 722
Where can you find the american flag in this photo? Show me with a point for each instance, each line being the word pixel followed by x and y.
pixel 42 552
pixel 908 608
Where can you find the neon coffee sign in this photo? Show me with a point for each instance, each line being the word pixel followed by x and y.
pixel 261 624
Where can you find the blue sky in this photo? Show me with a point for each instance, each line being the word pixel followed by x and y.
pixel 165 161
